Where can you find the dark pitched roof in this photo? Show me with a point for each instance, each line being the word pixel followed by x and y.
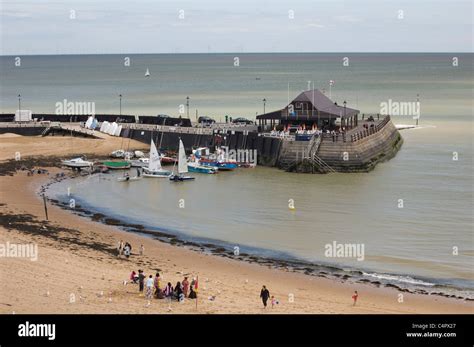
pixel 324 104
pixel 320 101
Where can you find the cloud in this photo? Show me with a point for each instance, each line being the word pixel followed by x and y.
pixel 348 18
pixel 17 15
pixel 315 25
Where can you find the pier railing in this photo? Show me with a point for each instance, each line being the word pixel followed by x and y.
pixel 168 128
pixel 370 130
pixel 191 130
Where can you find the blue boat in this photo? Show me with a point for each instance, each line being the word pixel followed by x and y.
pixel 221 166
pixel 196 167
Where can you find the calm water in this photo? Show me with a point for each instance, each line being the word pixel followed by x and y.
pixel 249 207
pixel 216 87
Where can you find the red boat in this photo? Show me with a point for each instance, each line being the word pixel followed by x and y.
pixel 165 160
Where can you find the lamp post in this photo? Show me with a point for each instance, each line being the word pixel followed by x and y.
pixel 120 101
pixel 187 106
pixel 344 112
pixel 19 103
pixel 331 83
pixel 264 102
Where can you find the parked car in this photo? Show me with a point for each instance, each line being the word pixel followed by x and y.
pixel 242 120
pixel 204 120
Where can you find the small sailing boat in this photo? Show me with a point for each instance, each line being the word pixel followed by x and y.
pixel 182 166
pixel 147 73
pixel 154 168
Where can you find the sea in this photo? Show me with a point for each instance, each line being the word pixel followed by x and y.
pixel 413 215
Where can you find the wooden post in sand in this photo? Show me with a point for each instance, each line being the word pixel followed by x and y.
pixel 45 207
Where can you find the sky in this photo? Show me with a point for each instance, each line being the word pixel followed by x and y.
pixel 202 26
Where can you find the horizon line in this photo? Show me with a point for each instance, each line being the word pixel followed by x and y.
pixel 256 52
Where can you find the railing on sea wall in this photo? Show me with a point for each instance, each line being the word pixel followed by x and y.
pixel 369 130
pixel 168 128
pixel 190 130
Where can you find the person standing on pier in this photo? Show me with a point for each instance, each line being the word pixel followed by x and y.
pixel 264 294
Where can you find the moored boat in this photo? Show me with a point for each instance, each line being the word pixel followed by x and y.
pixel 142 162
pixel 117 165
pixel 168 160
pixel 77 163
pixel 196 167
pixel 220 165
pixel 154 168
pixel 182 166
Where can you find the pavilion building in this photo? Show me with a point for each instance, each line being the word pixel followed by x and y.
pixel 310 108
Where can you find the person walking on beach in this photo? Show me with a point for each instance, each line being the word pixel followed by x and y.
pixel 185 284
pixel 149 287
pixel 264 294
pixel 354 297
pixel 142 249
pixel 141 280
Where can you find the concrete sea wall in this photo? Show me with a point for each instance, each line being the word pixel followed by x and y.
pixel 364 154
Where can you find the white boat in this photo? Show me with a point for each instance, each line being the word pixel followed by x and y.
pixel 77 163
pixel 154 168
pixel 147 73
pixel 182 166
pixel 139 154
pixel 142 162
pixel 119 153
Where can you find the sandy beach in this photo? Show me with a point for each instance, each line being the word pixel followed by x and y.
pixel 77 258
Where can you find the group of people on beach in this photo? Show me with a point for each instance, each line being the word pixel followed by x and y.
pixel 126 249
pixel 154 288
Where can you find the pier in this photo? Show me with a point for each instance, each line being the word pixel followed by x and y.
pixel 311 134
